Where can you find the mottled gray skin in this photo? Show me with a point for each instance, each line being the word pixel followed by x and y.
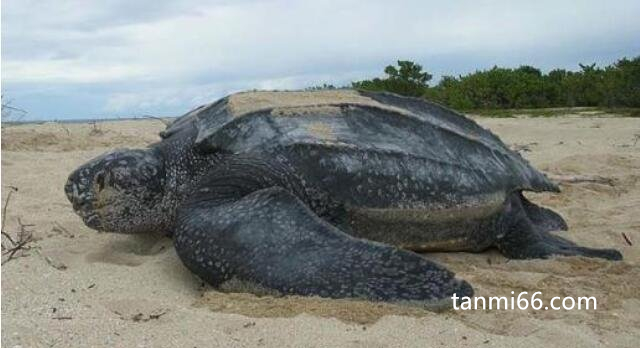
pixel 326 202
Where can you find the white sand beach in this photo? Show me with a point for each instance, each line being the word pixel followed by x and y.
pixel 77 288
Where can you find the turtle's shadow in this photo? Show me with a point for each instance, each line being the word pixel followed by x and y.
pixel 131 250
pixel 153 252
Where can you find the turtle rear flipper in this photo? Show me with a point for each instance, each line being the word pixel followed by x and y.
pixel 527 239
pixel 272 240
pixel 544 219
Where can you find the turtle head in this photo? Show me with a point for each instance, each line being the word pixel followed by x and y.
pixel 121 191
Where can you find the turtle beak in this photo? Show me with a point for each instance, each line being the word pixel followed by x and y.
pixel 73 192
pixel 81 201
pixel 78 193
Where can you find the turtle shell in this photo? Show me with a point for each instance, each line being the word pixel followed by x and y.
pixel 349 123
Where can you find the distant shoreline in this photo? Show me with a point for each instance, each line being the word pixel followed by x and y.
pixel 488 113
pixel 87 120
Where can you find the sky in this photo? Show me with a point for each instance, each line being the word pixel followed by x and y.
pixel 77 59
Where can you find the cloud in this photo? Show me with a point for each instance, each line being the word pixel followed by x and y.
pixel 150 55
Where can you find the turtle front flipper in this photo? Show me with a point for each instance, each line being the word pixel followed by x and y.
pixel 525 234
pixel 270 240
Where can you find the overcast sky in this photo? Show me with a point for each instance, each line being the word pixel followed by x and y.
pixel 82 59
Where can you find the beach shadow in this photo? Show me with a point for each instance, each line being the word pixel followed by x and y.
pixel 132 250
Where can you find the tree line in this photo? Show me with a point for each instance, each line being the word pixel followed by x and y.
pixel 615 85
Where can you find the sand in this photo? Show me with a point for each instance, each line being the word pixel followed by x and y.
pixel 76 287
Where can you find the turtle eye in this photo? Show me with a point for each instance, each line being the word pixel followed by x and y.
pixel 99 180
pixel 148 171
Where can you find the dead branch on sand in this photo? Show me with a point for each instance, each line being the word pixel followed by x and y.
pixel 10 245
pixel 53 263
pixel 576 179
pixel 57 228
pixel 626 239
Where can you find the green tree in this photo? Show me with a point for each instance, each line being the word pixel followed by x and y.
pixel 405 79
pixel 617 85
pixel 555 89
pixel 621 83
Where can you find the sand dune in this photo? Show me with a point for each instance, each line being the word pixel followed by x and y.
pixel 76 287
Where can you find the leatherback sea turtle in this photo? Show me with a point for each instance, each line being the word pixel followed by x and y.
pixel 325 193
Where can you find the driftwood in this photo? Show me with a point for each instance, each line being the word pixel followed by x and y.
pixel 575 179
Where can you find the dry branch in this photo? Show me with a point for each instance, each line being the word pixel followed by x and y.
pixel 24 237
pixel 6 204
pixel 626 239
pixel 11 245
pixel 53 263
pixel 60 229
